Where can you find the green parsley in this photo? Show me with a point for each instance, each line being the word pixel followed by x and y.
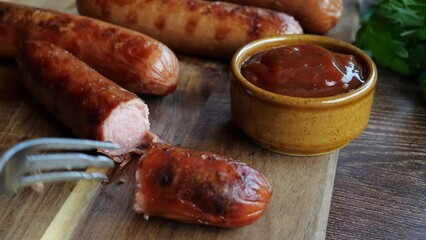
pixel 395 36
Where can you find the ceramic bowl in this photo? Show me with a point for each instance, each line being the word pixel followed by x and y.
pixel 295 125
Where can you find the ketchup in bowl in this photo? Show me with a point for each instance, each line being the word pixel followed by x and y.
pixel 308 71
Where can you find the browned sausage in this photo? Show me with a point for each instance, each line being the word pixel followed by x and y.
pixel 86 102
pixel 199 187
pixel 131 59
pixel 315 16
pixel 193 26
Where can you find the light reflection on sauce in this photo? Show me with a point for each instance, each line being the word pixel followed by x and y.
pixel 304 71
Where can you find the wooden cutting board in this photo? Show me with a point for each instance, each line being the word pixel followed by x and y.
pixel 197 116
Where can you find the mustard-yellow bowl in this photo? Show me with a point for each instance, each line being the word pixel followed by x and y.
pixel 296 125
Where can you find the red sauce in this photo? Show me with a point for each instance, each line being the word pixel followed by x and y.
pixel 304 71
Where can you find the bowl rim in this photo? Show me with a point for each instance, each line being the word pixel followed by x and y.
pixel 340 99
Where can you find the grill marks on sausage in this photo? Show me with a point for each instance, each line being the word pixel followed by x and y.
pixel 220 27
pixel 192 5
pixel 133 48
pixel 166 176
pixel 122 44
pixel 319 17
pixel 257 21
pixel 57 24
pixel 192 18
pixel 191 25
pixel 260 21
pixel 209 200
pixel 221 33
pixel 107 32
pixel 160 22
pixel 208 192
pixel 46 26
pixel 254 26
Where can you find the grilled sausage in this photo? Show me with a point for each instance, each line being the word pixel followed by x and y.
pixel 91 105
pixel 199 187
pixel 198 27
pixel 315 16
pixel 131 59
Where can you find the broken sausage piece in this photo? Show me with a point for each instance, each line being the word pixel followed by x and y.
pixel 89 104
pixel 199 187
pixel 135 61
pixel 197 27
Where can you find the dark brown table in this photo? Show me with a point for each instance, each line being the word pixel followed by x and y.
pixel 380 185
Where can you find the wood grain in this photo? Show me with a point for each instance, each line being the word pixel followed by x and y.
pixel 380 186
pixel 76 207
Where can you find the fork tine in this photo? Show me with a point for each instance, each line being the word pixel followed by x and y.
pixel 65 161
pixel 54 144
pixel 66 144
pixel 60 176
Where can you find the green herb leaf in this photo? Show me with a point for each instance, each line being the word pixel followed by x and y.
pixel 395 34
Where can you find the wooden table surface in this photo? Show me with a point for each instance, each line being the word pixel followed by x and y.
pixel 380 183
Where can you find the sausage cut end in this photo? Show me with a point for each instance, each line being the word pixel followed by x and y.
pixel 127 125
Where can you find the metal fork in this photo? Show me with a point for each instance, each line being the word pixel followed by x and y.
pixel 17 164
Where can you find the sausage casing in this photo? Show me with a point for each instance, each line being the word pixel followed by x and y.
pixel 315 16
pixel 132 60
pixel 198 27
pixel 91 105
pixel 199 187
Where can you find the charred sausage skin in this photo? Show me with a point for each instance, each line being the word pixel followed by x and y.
pixel 91 105
pixel 131 59
pixel 315 16
pixel 197 27
pixel 199 187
